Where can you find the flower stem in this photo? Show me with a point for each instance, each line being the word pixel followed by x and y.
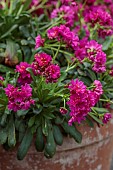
pixel 56 53
pixel 64 52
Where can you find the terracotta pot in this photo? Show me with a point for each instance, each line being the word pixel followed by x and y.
pixel 94 153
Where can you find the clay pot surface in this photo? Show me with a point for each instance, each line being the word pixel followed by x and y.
pixel 94 153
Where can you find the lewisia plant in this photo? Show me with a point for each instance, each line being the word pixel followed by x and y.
pixel 68 80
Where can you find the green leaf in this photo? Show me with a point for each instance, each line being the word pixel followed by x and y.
pixel 58 120
pixel 44 95
pixel 91 74
pixel 72 131
pixel 26 4
pixel 3 135
pixel 81 72
pixel 95 118
pixel 31 73
pixel 3 119
pixel 24 30
pixel 49 115
pixel 57 135
pixel 27 53
pixel 63 76
pixel 25 144
pixel 86 80
pixel 2 101
pixel 37 110
pixel 22 112
pixel 18 123
pixel 89 122
pixel 11 134
pixel 31 121
pixel 9 31
pixel 21 130
pixel 45 127
pixel 5 69
pixel 39 143
pixel 50 146
pixel 107 43
pixel 100 110
pixel 38 121
pixel 33 129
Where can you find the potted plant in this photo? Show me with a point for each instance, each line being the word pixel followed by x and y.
pixel 62 89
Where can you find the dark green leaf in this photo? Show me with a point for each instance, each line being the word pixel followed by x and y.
pixel 100 110
pixel 31 121
pixel 3 135
pixel 72 131
pixel 95 118
pixel 22 112
pixel 25 144
pixel 11 134
pixel 26 4
pixel 45 127
pixel 89 122
pixel 49 115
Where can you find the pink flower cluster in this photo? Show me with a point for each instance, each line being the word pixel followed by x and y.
pixel 93 51
pixel 97 15
pixel 19 98
pixel 106 118
pixel 24 75
pixel 69 13
pixel 81 100
pixel 98 91
pixel 39 42
pixel 63 33
pixel 43 65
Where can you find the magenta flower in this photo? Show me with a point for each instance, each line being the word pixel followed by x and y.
pixel 53 33
pixel 69 14
pixel 98 15
pixel 42 60
pixel 98 90
pixel 42 65
pixel 52 73
pixel 10 90
pixel 77 86
pixel 68 37
pixel 80 52
pixel 92 48
pixel 39 42
pixel 1 78
pixel 63 110
pixel 106 118
pixel 24 75
pixel 98 87
pixel 19 98
pixel 100 62
pixel 80 102
pixel 65 34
